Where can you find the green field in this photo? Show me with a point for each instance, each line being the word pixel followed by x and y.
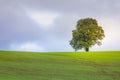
pixel 60 65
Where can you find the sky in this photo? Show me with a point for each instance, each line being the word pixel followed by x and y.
pixel 46 25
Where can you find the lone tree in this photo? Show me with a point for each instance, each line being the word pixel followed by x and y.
pixel 86 34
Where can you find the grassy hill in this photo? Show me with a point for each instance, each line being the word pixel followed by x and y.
pixel 59 65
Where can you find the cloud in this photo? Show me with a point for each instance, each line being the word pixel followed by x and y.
pixel 50 22
pixel 29 46
pixel 44 18
pixel 111 27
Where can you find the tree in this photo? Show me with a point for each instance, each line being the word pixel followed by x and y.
pixel 86 34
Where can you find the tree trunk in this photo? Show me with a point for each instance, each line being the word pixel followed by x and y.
pixel 87 49
pixel 75 50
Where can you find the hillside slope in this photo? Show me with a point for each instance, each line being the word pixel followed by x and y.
pixel 59 65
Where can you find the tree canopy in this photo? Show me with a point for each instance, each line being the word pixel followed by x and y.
pixel 86 34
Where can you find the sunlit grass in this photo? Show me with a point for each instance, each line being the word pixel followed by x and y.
pixel 59 65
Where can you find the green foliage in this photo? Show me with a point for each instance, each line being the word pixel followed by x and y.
pixel 86 34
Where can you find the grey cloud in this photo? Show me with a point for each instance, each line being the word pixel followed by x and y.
pixel 17 27
pixel 76 6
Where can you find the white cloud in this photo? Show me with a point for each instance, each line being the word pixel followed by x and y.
pixel 29 46
pixel 43 18
pixel 112 28
pixel 112 38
